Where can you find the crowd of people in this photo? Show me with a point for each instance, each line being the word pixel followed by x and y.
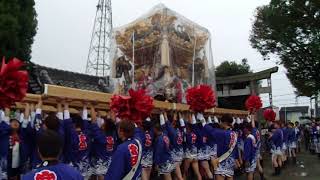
pixel 169 145
pixel 285 142
pixel 311 134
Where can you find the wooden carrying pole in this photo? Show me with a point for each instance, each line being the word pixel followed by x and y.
pixel 52 94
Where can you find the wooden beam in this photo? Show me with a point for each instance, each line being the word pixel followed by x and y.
pixel 76 94
pixel 53 94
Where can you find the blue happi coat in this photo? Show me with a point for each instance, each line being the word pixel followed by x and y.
pixel 124 158
pixel 224 139
pixel 176 136
pixel 162 150
pixel 277 139
pixel 250 148
pixel 54 172
pixel 104 143
pixel 78 146
pixel 25 147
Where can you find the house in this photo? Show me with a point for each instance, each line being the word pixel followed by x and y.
pixel 293 113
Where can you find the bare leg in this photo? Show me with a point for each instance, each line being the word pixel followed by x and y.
pixel 279 161
pixel 146 172
pixel 250 176
pixel 275 161
pixel 100 177
pixel 293 152
pixel 195 167
pixel 229 178
pixel 178 171
pixel 259 166
pixel 167 176
pixel 206 167
pixel 219 177
pixel 186 166
pixel 212 162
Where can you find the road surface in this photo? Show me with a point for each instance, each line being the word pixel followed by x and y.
pixel 307 168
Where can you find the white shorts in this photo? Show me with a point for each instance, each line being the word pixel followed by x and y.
pixel 203 154
pixel 100 167
pixel 292 145
pixel 83 167
pixel 191 153
pixel 226 168
pixel 177 155
pixel 213 152
pixel 147 159
pixel 167 167
pixel 276 152
pixel 252 166
pixel 284 146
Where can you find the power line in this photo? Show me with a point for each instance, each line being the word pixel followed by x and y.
pixel 292 104
pixel 281 97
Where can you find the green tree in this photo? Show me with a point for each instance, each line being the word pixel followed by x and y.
pixel 290 29
pixel 231 68
pixel 18 25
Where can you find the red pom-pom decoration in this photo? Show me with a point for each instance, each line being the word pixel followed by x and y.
pixel 253 103
pixel 141 105
pixel 200 98
pixel 120 105
pixel 269 115
pixel 13 82
pixel 135 107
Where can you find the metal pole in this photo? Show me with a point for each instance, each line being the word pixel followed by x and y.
pixel 133 61
pixel 194 56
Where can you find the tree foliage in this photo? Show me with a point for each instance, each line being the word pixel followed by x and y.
pixel 18 25
pixel 290 29
pixel 231 68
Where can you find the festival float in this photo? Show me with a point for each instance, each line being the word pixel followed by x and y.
pixel 162 53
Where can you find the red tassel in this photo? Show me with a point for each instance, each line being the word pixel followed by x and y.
pixel 253 103
pixel 141 105
pixel 135 107
pixel 269 115
pixel 13 82
pixel 200 98
pixel 120 105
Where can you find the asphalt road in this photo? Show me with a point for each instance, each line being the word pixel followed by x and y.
pixel 307 168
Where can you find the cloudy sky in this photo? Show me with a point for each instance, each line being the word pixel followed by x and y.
pixel 65 26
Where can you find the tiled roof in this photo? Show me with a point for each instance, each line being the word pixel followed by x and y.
pixel 40 75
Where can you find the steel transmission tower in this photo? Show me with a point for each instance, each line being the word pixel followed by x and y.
pixel 98 62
